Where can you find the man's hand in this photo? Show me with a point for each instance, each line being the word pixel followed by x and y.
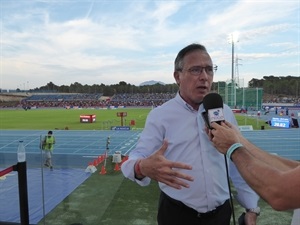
pixel 224 135
pixel 158 168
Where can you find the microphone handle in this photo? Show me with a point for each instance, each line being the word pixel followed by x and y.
pixel 205 118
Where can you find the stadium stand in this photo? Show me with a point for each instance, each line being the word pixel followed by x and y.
pixel 139 99
pixel 63 100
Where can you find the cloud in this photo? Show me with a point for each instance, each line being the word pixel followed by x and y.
pixel 133 41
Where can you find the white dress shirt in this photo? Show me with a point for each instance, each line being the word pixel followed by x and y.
pixel 184 128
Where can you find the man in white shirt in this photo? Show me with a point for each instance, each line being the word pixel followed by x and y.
pixel 175 150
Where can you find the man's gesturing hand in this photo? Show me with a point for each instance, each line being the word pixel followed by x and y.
pixel 158 168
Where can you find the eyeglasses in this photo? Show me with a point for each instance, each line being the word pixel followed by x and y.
pixel 197 70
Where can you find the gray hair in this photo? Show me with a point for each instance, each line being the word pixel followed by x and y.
pixel 178 64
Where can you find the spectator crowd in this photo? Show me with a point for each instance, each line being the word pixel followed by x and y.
pixel 91 100
pixel 97 100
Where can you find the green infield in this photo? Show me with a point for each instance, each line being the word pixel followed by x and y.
pixel 49 119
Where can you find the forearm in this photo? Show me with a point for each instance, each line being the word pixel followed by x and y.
pixel 280 163
pixel 226 135
pixel 267 181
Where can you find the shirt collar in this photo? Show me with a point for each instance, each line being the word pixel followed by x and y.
pixel 183 103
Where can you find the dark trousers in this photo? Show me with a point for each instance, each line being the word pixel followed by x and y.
pixel 173 212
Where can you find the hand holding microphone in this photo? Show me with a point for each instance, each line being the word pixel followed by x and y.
pixel 222 133
pixel 224 136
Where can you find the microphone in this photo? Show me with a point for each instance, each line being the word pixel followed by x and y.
pixel 213 105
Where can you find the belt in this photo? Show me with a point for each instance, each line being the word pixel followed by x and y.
pixel 193 211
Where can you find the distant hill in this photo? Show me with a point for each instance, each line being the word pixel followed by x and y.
pixel 151 82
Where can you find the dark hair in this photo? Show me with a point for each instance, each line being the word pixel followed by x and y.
pixel 49 132
pixel 178 64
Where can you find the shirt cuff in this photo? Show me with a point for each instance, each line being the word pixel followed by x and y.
pixel 128 171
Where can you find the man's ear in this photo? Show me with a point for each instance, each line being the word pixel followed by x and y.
pixel 177 78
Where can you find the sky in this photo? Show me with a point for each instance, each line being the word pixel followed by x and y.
pixel 108 41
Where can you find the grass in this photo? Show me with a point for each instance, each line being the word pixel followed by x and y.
pixel 107 199
pixel 244 119
pixel 111 199
pixel 47 119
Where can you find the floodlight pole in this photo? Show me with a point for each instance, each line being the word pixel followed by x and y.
pixel 232 72
pixel 233 39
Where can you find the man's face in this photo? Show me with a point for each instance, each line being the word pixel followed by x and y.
pixel 194 86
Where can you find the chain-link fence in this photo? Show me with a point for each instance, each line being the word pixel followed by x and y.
pixel 237 96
